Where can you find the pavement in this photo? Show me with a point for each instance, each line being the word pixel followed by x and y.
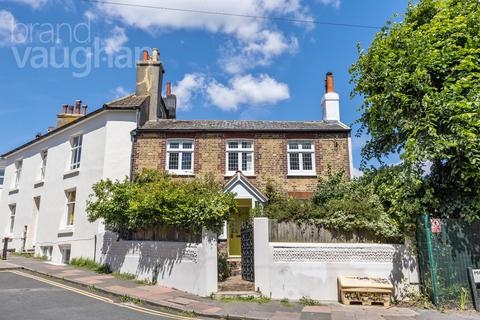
pixel 206 307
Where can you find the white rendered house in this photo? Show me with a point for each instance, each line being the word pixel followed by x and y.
pixel 47 181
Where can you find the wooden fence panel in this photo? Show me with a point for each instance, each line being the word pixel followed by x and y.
pixel 308 233
pixel 164 233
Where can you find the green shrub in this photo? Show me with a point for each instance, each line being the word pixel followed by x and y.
pixel 89 264
pixel 223 268
pixel 154 198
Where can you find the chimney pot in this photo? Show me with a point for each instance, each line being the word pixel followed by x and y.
pixel 145 56
pixel 70 109
pixel 78 104
pixel 169 88
pixel 155 55
pixel 84 107
pixel 329 85
pixel 65 107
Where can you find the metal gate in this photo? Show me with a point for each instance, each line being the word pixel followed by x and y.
pixel 248 272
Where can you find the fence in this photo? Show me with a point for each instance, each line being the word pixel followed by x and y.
pixel 308 233
pixel 446 248
pixel 163 233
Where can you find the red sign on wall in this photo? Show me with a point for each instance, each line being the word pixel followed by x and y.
pixel 436 225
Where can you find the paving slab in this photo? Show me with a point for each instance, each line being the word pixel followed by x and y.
pixel 7 265
pixel 286 316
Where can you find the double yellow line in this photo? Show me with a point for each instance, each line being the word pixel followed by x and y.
pixel 100 298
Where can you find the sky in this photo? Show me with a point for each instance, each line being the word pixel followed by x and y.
pixel 222 62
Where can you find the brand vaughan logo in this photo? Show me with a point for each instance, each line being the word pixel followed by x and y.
pixel 67 46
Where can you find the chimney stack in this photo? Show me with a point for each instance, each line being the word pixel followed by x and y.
pixel 150 83
pixel 68 115
pixel 171 102
pixel 331 100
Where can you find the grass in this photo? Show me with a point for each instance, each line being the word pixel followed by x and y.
pixel 285 302
pixel 306 301
pixel 30 255
pixel 189 314
pixel 126 299
pixel 124 276
pixel 90 264
pixel 260 300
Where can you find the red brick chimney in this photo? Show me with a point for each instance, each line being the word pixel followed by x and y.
pixel 169 88
pixel 330 101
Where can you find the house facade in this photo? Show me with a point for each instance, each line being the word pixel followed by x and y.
pixel 247 155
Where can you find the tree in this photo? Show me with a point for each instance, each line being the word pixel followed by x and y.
pixel 420 81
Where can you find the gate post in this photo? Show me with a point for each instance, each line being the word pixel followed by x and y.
pixel 261 254
pixel 428 234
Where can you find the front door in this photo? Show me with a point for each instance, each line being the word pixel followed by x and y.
pixel 234 230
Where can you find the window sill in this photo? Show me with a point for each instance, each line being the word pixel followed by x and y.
pixel 301 175
pixel 181 174
pixel 248 175
pixel 71 173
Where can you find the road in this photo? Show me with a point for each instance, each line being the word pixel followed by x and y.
pixel 24 296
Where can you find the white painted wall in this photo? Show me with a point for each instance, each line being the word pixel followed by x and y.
pixel 106 153
pixel 190 267
pixel 296 270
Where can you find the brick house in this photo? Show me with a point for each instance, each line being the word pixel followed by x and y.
pixel 245 155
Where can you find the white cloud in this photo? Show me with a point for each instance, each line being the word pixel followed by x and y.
pixel 357 173
pixel 334 3
pixel 32 3
pixel 186 89
pixel 119 92
pixel 116 40
pixel 247 89
pixel 7 28
pixel 256 41
pixel 240 90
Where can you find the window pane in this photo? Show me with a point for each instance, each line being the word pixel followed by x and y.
pixel 307 161
pixel 186 161
pixel 293 146
pixel 294 161
pixel 247 158
pixel 246 145
pixel 232 161
pixel 174 145
pixel 187 145
pixel 306 146
pixel 233 145
pixel 173 161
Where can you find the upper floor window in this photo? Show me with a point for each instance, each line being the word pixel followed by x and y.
pixel 18 173
pixel 71 200
pixel 301 158
pixel 2 176
pixel 240 157
pixel 13 209
pixel 43 165
pixel 76 152
pixel 180 156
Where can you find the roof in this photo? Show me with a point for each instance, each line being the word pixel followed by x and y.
pixel 239 178
pixel 241 125
pixel 130 102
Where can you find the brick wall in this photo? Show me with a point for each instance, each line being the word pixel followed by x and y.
pixel 270 156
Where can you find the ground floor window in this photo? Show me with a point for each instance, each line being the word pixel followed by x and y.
pixel 47 252
pixel 65 250
pixel 13 209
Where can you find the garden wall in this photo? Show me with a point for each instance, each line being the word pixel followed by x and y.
pixel 295 270
pixel 190 267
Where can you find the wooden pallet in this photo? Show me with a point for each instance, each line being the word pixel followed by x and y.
pixel 365 291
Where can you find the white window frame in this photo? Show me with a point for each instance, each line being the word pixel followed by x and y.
pixel 181 151
pixel 240 150
pixel 2 177
pixel 43 165
pixel 75 152
pixel 13 211
pixel 18 173
pixel 301 152
pixel 68 205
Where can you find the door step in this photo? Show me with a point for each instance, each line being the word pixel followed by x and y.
pixel 237 294
pixel 235 283
pixel 235 266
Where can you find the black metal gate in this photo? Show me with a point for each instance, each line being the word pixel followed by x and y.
pixel 248 271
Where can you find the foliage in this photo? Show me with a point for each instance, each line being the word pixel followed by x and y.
pixel 124 275
pixel 223 268
pixel 259 300
pixel 420 80
pixel 155 198
pixel 338 204
pixel 306 301
pixel 89 264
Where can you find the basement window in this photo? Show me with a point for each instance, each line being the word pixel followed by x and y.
pixel 301 158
